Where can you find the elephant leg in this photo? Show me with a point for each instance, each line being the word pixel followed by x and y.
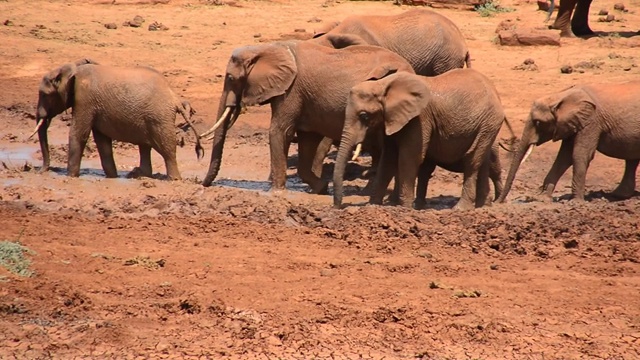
pixel 424 174
pixel 469 183
pixel 321 153
pixel 563 161
pixel 145 160
pixel 167 150
pixel 495 172
pixel 386 170
pixel 563 19
pixel 105 150
pixel 483 197
pixel 408 166
pixel 584 149
pixel 279 148
pixel 627 186
pixel 580 19
pixel 78 136
pixel 308 143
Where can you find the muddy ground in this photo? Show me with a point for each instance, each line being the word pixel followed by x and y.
pixel 147 268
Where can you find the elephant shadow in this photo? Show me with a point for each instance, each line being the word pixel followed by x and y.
pixel 94 172
pixel 596 195
pixel 604 34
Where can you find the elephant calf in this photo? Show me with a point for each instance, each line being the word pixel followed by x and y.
pixel 134 105
pixel 603 117
pixel 450 120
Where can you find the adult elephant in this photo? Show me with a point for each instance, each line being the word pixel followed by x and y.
pixel 430 42
pixel 450 120
pixel 307 86
pixel 134 105
pixel 577 25
pixel 586 118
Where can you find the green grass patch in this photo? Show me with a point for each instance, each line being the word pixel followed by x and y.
pixel 13 257
pixel 491 8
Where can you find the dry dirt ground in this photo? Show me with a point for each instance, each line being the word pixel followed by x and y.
pixel 149 268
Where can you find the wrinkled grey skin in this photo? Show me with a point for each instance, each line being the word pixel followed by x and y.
pixel 450 120
pixel 430 42
pixel 134 105
pixel 307 86
pixel 586 118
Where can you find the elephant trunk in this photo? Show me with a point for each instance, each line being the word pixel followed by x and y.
pixel 228 111
pixel 347 143
pixel 527 143
pixel 42 126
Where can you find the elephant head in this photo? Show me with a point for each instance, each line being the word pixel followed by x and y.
pixel 254 75
pixel 556 117
pixel 55 95
pixel 386 102
pixel 334 36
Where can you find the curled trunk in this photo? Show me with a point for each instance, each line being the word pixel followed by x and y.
pixel 228 99
pixel 518 157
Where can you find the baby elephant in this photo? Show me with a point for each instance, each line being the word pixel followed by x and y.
pixel 603 117
pixel 450 120
pixel 134 105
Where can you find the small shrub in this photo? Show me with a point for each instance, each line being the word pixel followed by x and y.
pixel 490 8
pixel 12 257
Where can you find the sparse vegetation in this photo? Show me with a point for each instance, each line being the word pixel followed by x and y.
pixel 490 8
pixel 12 257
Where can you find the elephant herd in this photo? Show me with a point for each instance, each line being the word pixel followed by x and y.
pixel 394 86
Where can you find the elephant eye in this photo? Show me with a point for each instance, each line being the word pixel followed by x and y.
pixel 536 123
pixel 230 77
pixel 363 116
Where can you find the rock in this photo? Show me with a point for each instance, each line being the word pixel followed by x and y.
pixel 111 26
pixel 8 23
pixel 506 25
pixel 619 7
pixel 314 20
pixel 544 5
pixel 299 30
pixel 155 26
pixel 257 35
pixel 566 69
pixel 527 37
pixel 603 12
pixel 608 18
pixel 527 65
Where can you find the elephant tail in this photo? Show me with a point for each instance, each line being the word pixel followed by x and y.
pixel 513 136
pixel 467 59
pixel 187 111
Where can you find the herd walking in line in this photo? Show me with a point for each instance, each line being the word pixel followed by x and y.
pixel 400 87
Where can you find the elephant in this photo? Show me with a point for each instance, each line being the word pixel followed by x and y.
pixel 569 26
pixel 451 120
pixel 586 118
pixel 431 42
pixel 133 104
pixel 307 86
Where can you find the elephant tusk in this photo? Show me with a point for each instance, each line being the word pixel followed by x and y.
pixel 233 121
pixel 526 155
pixel 357 152
pixel 218 123
pixel 38 126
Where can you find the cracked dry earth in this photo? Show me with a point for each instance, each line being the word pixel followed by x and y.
pixel 147 268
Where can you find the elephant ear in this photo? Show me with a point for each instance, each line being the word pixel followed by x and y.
pixel 572 113
pixel 341 41
pixel 63 80
pixel 271 72
pixel 405 98
pixel 381 72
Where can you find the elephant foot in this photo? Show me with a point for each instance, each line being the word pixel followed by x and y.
pixel 464 205
pixel 420 204
pixel 623 193
pixel 368 189
pixel 581 30
pixel 136 173
pixel 320 188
